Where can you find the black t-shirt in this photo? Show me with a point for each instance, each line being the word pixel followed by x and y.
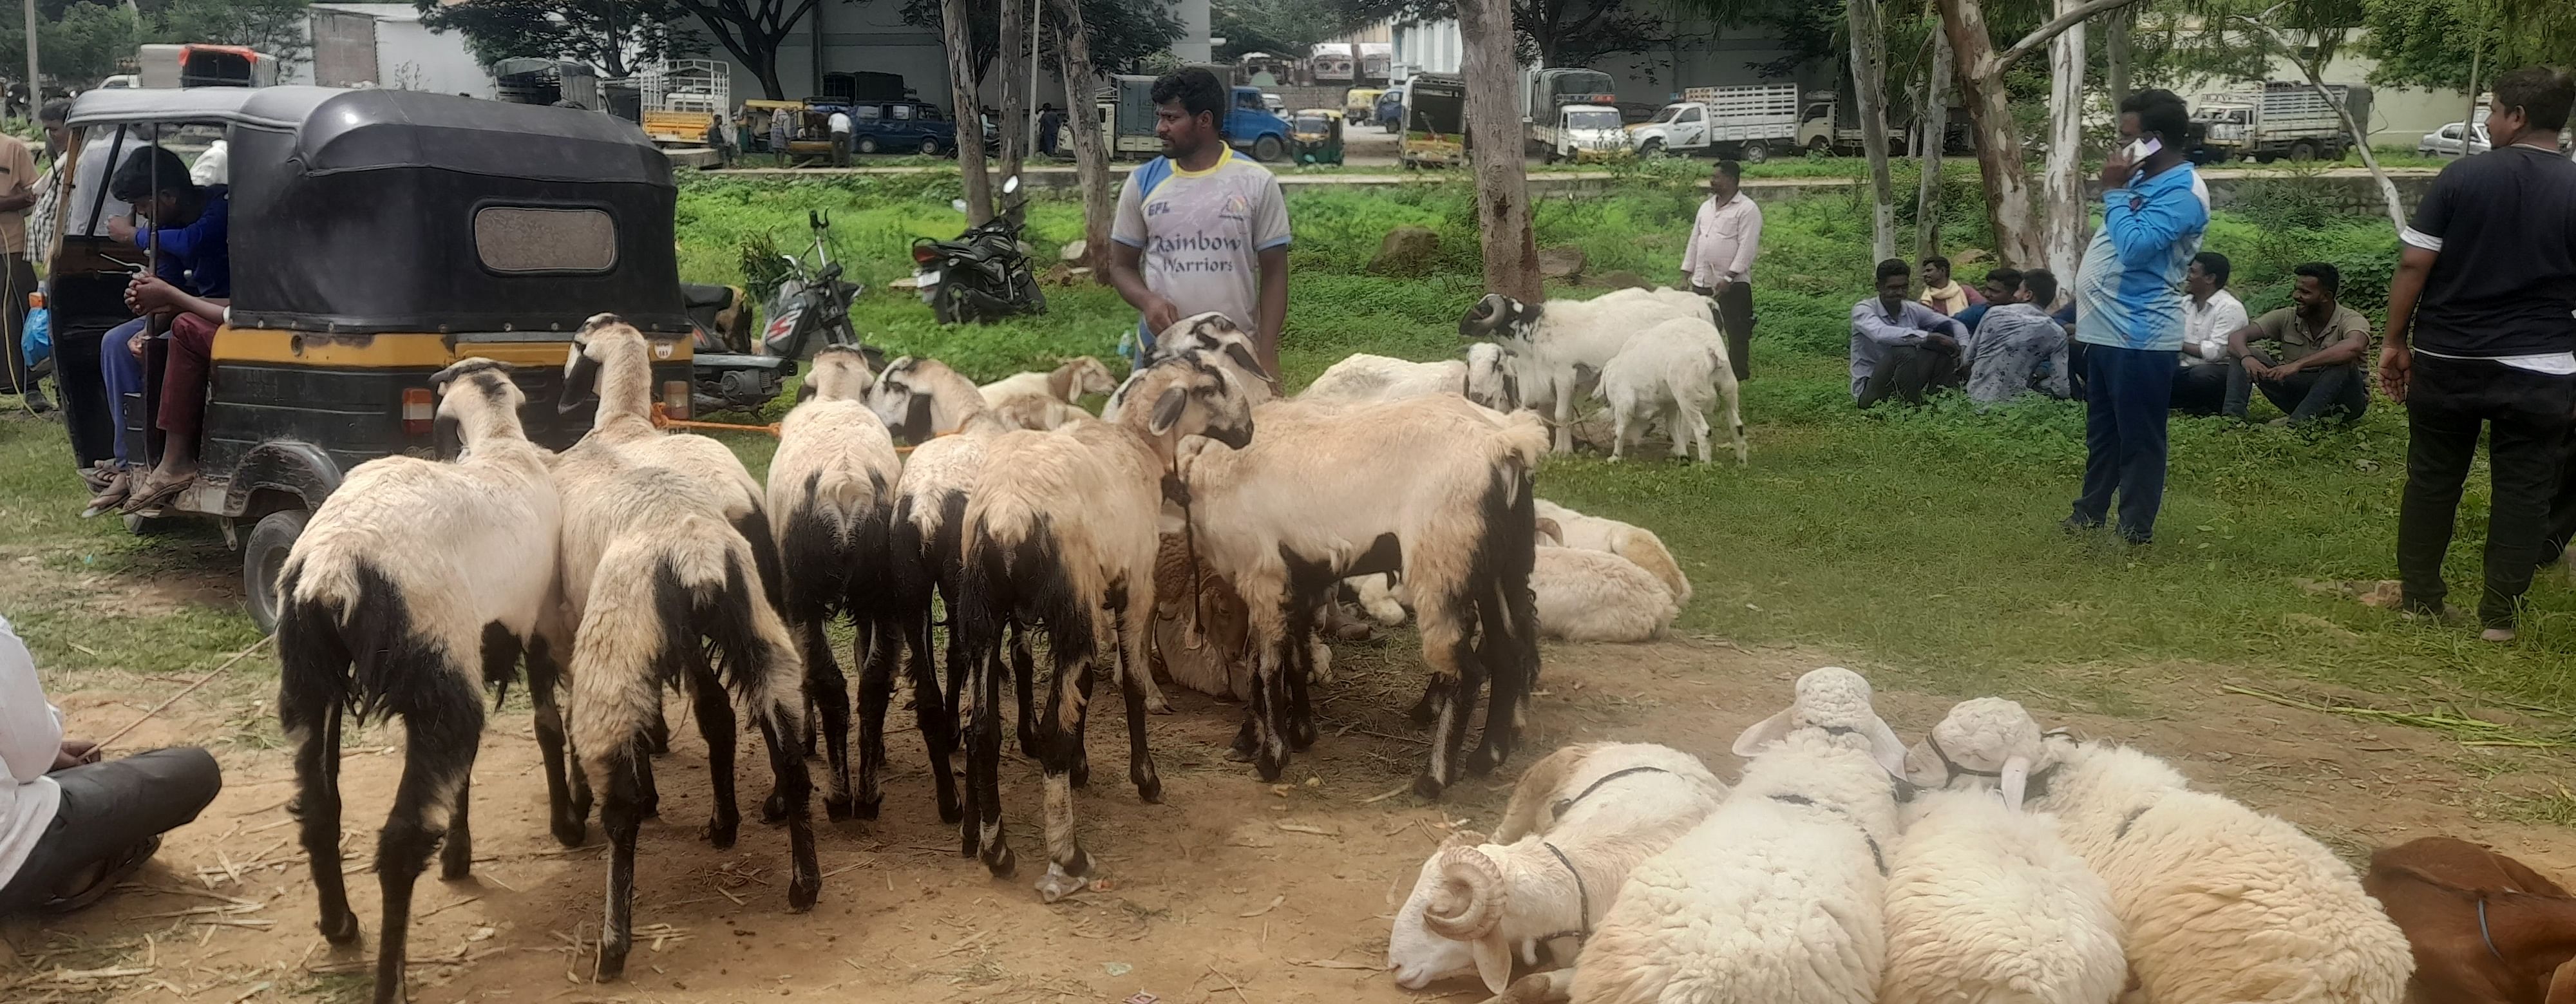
pixel 2504 223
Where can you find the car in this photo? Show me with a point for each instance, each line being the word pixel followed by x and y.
pixel 1276 104
pixel 900 127
pixel 2445 142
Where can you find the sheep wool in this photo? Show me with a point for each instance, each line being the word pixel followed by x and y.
pixel 1558 343
pixel 1985 903
pixel 1598 596
pixel 1635 543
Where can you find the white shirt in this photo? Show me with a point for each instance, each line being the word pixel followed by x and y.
pixel 2208 324
pixel 1723 240
pixel 31 733
pixel 840 122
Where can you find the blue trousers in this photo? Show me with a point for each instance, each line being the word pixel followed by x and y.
pixel 124 375
pixel 2125 404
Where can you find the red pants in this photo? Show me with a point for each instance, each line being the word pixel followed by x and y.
pixel 183 377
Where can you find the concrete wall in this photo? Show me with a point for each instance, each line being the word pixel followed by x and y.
pixel 2399 115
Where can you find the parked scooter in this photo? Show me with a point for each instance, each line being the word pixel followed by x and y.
pixel 980 276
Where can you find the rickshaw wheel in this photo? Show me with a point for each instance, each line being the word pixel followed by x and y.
pixel 263 555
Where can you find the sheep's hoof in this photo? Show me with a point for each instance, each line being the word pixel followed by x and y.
pixel 1028 743
pixel 1483 760
pixel 1149 784
pixel 455 867
pixel 1081 772
pixel 1057 886
pixel 949 811
pixel 1271 763
pixel 773 810
pixel 1301 733
pixel 612 961
pixel 803 890
pixel 836 809
pixel 999 860
pixel 1155 704
pixel 295 807
pixel 1427 786
pixel 721 834
pixel 340 930
pixel 1241 750
pixel 571 832
pixel 865 808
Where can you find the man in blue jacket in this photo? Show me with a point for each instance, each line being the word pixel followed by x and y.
pixel 2130 315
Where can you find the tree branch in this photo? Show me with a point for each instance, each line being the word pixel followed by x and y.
pixel 2054 28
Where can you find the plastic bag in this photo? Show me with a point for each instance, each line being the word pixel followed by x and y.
pixel 36 340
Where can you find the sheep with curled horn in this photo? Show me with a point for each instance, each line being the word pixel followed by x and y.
pixel 374 624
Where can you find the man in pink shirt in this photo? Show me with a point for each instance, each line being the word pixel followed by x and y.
pixel 1718 262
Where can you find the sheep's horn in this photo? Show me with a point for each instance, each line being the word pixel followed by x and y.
pixel 1462 838
pixel 1472 895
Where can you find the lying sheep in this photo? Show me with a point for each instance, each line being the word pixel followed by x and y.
pixel 1635 796
pixel 2220 902
pixel 1598 596
pixel 1066 383
pixel 2486 929
pixel 1483 377
pixel 1561 343
pixel 1777 896
pixel 1985 903
pixel 1598 533
pixel 1676 370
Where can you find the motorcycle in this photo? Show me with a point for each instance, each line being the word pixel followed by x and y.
pixel 980 276
pixel 735 372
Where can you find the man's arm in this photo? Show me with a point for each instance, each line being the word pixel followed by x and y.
pixel 30 735
pixel 2345 349
pixel 1866 321
pixel 1274 308
pixel 1749 245
pixel 2396 356
pixel 1690 247
pixel 2143 234
pixel 154 295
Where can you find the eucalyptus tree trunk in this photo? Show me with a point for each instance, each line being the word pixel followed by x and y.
pixel 1494 138
pixel 970 124
pixel 1090 150
pixel 1015 100
pixel 1869 80
pixel 2018 238
pixel 2062 184
pixel 1936 129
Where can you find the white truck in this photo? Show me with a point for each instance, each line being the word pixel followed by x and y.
pixel 1585 132
pixel 1749 122
pixel 2284 119
pixel 1549 94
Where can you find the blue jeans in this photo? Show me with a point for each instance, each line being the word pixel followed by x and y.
pixel 2128 392
pixel 124 375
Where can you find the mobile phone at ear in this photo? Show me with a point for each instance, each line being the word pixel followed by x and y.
pixel 2143 148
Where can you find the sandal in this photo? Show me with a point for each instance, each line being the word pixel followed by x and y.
pixel 97 476
pixel 151 499
pixel 110 872
pixel 120 486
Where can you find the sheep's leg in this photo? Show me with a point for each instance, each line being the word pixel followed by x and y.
pixel 828 693
pixel 876 690
pixel 1507 646
pixel 621 815
pixel 1300 667
pixel 1024 672
pixel 1698 421
pixel 657 740
pixel 937 721
pixel 1427 707
pixel 1445 649
pixel 544 690
pixel 1133 637
pixel 313 721
pixel 1555 986
pixel 1068 866
pixel 1618 429
pixel 456 853
pixel 1564 411
pixel 804 874
pixel 440 734
pixel 715 724
pixel 984 769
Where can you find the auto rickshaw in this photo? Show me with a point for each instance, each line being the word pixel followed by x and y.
pixel 1315 136
pixel 376 236
pixel 808 127
pixel 1360 103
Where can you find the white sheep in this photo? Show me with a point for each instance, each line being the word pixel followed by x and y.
pixel 1561 344
pixel 373 622
pixel 2219 902
pixel 1984 902
pixel 1676 370
pixel 1599 533
pixel 1777 896
pixel 1483 377
pixel 1597 596
pixel 1429 486
pixel 1210 332
pixel 1060 534
pixel 1066 383
pixel 831 488
pixel 1605 806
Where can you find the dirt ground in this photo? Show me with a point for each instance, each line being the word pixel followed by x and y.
pixel 1231 890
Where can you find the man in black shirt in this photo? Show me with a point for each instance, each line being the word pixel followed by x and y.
pixel 2482 333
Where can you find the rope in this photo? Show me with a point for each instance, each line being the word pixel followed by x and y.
pixel 189 689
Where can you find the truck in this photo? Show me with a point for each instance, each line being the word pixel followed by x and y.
pixel 1553 88
pixel 1377 62
pixel 1331 63
pixel 1126 109
pixel 681 96
pixel 2284 119
pixel 197 64
pixel 1435 121
pixel 1748 123
pixel 1831 125
pixel 1587 132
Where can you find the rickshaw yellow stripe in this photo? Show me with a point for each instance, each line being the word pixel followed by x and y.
pixel 389 351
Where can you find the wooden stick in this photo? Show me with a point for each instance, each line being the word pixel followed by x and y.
pixel 190 689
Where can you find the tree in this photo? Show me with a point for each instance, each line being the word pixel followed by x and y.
pixel 1014 126
pixel 1090 151
pixel 1869 84
pixel 1999 152
pixel 1935 135
pixel 276 27
pixel 1118 34
pixel 1280 27
pixel 1558 32
pixel 1489 65
pixel 614 36
pixel 2313 65
pixel 2061 184
pixel 969 117
pixel 751 30
pixel 2435 43
pixel 86 43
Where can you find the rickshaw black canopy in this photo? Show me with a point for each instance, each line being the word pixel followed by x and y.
pixel 375 211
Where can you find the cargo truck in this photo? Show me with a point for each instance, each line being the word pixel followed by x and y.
pixel 2282 120
pixel 1749 123
pixel 1435 121
pixel 1550 90
pixel 1126 109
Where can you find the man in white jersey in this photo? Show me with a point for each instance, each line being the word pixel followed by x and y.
pixel 1201 228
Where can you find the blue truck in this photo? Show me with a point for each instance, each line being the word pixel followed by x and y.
pixel 1126 109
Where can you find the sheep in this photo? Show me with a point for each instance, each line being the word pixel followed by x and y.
pixel 1984 902
pixel 1597 596
pixel 1605 806
pixel 831 484
pixel 1483 377
pixel 2220 902
pixel 1676 369
pixel 1067 383
pixel 374 623
pixel 1635 543
pixel 1558 341
pixel 1061 533
pixel 1776 896
pixel 663 569
pixel 935 400
pixel 2486 929
pixel 1426 484
pixel 1209 332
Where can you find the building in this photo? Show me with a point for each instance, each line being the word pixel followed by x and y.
pixel 384 45
pixel 869 39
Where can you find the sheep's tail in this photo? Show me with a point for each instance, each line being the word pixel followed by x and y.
pixel 837 536
pixel 346 638
pixel 654 597
pixel 1526 436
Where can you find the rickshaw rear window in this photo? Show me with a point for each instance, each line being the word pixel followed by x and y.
pixel 532 239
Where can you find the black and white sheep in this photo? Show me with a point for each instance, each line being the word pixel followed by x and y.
pixel 1432 487
pixel 1561 345
pixel 374 623
pixel 1061 535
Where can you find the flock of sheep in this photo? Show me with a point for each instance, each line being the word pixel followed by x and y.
pixel 639 561
pixel 1991 862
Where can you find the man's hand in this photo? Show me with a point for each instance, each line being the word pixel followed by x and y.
pixel 151 294
pixel 2117 168
pixel 1160 313
pixel 2396 367
pixel 74 753
pixel 121 228
pixel 2254 367
pixel 1719 288
pixel 1941 343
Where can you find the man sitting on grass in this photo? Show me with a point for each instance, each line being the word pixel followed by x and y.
pixel 1901 347
pixel 2019 347
pixel 2002 286
pixel 2318 368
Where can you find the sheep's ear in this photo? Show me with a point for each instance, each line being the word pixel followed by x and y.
pixel 1493 960
pixel 1242 356
pixel 1885 747
pixel 1763 733
pixel 2016 780
pixel 804 392
pixel 1549 529
pixel 1167 410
